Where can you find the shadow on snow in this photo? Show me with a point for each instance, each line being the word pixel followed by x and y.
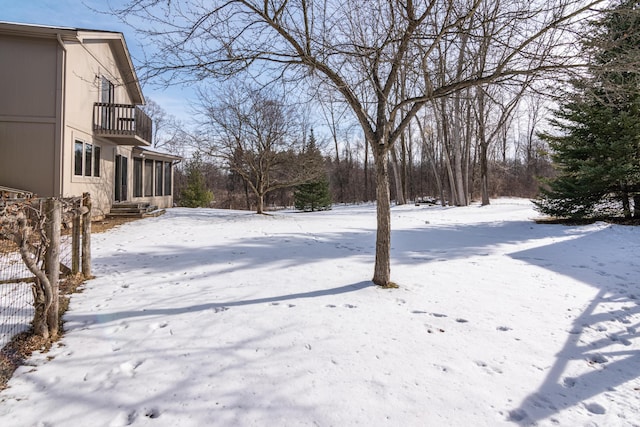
pixel 601 337
pixel 170 311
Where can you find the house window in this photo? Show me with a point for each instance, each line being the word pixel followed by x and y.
pixel 107 96
pixel 148 177
pixel 167 178
pixel 159 179
pixel 96 160
pixel 78 155
pixel 107 92
pixel 137 177
pixel 86 159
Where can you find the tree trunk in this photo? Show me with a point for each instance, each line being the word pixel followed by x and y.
pixel 382 269
pixel 246 196
pixel 41 289
pixel 452 183
pixel 626 205
pixel 636 206
pixel 400 200
pixel 260 203
pixel 456 141
pixel 484 173
pixel 366 171
pixel 40 315
pixel 482 136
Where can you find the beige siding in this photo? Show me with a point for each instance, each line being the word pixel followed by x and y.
pixel 26 153
pixel 28 78
pixel 89 62
pixel 28 114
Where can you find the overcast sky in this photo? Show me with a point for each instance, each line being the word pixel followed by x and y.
pixel 79 14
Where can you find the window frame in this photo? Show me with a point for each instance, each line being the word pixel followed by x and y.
pixel 86 160
pixel 158 177
pixel 148 178
pixel 168 178
pixel 138 178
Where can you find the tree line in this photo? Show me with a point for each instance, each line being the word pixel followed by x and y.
pixel 420 171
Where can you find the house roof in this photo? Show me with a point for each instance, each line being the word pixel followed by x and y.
pixel 67 34
pixel 143 152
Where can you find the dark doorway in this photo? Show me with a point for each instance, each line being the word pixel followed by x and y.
pixel 121 178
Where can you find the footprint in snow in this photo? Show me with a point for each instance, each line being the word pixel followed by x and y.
pixel 487 368
pixel 277 303
pixel 123 419
pixel 120 326
pixel 596 359
pixel 517 415
pixel 152 413
pixel 350 306
pixel 616 338
pixel 460 320
pixel 159 325
pixel 129 368
pixel 594 408
pixel 503 328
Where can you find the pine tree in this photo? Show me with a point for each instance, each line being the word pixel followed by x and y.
pixel 195 194
pixel 598 148
pixel 314 194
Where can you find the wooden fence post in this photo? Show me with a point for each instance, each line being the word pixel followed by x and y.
pixel 75 240
pixel 52 260
pixel 86 236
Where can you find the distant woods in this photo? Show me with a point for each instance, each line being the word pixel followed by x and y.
pixel 422 163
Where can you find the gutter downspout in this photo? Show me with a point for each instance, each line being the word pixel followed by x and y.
pixel 62 120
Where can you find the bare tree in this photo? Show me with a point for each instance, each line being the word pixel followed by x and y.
pixel 258 137
pixel 169 133
pixel 361 49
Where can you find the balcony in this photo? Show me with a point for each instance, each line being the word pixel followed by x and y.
pixel 122 124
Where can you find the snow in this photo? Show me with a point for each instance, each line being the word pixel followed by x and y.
pixel 227 318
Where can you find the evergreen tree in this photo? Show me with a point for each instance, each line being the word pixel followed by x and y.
pixel 196 194
pixel 314 194
pixel 597 150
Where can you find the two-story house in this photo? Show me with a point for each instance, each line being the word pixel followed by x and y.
pixel 70 120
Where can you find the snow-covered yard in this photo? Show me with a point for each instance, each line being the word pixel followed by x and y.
pixel 226 318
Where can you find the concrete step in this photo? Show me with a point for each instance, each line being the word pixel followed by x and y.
pixel 134 210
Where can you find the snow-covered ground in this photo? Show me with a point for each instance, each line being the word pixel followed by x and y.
pixel 226 318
